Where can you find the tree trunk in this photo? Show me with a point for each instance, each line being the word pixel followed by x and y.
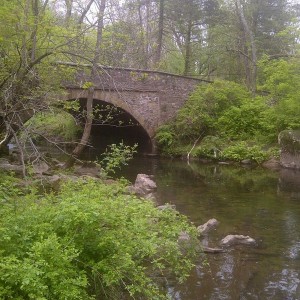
pixel 144 62
pixel 187 59
pixel 89 103
pixel 35 8
pixel 253 72
pixel 69 7
pixel 88 124
pixel 160 32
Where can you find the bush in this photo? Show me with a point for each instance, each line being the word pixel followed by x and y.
pixel 206 104
pixel 210 147
pixel 245 121
pixel 91 241
pixel 241 150
pixel 165 137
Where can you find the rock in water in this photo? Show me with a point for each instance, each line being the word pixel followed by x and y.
pixel 289 141
pixel 144 185
pixel 208 226
pixel 235 239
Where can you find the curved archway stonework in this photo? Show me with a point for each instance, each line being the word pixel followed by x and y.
pixel 130 102
pixel 150 97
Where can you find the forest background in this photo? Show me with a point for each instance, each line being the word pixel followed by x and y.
pixel 249 49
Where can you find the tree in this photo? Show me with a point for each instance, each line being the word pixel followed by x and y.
pixel 30 78
pixel 94 71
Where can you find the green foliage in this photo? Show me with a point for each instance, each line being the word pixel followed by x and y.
pixel 210 147
pixel 8 188
pixel 90 241
pixel 229 117
pixel 87 85
pixel 57 125
pixel 214 147
pixel 205 106
pixel 164 137
pixel 281 80
pixel 213 109
pixel 116 156
pixel 241 150
pixel 246 120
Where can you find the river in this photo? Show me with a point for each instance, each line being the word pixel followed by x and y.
pixel 261 203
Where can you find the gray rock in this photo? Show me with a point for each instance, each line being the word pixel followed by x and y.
pixel 185 242
pixel 144 185
pixel 208 226
pixel 183 237
pixel 166 206
pixel 40 167
pixel 6 166
pixel 89 170
pixel 235 239
pixel 289 141
pixel 247 162
pixel 272 164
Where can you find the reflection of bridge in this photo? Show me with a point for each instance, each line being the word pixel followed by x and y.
pixel 150 97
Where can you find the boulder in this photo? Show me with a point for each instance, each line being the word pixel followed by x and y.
pixel 88 169
pixel 5 165
pixel 272 164
pixel 40 167
pixel 289 141
pixel 144 185
pixel 208 226
pixel 235 239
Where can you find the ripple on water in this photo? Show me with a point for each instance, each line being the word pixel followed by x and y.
pixel 286 284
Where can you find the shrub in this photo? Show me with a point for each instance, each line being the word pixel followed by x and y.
pixel 116 156
pixel 210 147
pixel 91 241
pixel 245 121
pixel 165 137
pixel 241 150
pixel 206 104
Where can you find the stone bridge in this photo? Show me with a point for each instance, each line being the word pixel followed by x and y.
pixel 149 97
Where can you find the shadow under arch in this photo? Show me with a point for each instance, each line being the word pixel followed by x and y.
pixel 123 127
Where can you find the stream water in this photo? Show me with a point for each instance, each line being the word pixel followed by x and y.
pixel 261 203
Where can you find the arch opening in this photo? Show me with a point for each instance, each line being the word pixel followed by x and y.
pixel 112 125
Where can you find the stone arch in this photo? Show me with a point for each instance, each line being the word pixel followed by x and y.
pixel 115 99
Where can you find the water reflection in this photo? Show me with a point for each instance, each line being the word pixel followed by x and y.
pixel 261 203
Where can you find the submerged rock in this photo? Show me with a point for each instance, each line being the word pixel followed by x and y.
pixel 208 226
pixel 235 239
